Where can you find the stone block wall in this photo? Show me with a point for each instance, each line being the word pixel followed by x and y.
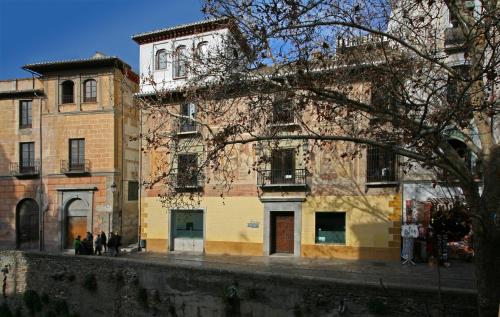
pixel 101 286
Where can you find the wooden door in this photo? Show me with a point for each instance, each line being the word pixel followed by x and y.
pixel 76 226
pixel 283 225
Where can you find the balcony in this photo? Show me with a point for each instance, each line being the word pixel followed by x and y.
pixel 186 181
pixel 279 178
pixel 454 38
pixel 187 127
pixel 75 168
pixel 25 169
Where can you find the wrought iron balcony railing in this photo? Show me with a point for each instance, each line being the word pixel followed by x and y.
pixel 25 169
pixel 282 177
pixel 78 167
pixel 187 126
pixel 185 180
pixel 453 37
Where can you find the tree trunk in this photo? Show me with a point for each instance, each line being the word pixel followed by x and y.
pixel 487 265
pixel 487 237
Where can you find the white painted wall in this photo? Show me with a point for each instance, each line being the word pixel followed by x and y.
pixel 164 77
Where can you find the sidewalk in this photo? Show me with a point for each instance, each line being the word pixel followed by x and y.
pixel 459 277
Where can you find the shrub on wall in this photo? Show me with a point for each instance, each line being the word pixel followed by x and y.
pixel 32 301
pixel 5 310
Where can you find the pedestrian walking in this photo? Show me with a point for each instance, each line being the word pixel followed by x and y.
pixel 76 244
pixel 98 245
pixel 90 243
pixel 118 243
pixel 111 244
pixel 104 241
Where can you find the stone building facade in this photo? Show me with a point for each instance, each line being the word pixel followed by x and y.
pixel 327 207
pixel 67 163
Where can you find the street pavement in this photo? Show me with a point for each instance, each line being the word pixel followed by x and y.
pixel 458 277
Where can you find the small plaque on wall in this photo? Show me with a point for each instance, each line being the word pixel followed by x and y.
pixel 253 224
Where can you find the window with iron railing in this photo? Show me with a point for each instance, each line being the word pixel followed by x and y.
pixel 25 114
pixel 187 175
pixel 27 158
pixel 381 165
pixel 76 154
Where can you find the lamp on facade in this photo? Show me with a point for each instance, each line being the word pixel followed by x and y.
pixel 113 187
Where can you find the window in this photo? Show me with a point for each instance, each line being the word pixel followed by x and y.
pixel 76 154
pixel 381 165
pixel 67 92
pixel 161 59
pixel 25 114
pixel 456 93
pixel 187 170
pixel 202 51
pixel 90 91
pixel 27 157
pixel 283 166
pixel 133 190
pixel 180 62
pixel 330 227
pixel 188 224
pixel 283 111
pixel 187 124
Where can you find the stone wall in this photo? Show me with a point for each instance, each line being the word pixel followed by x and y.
pixel 102 286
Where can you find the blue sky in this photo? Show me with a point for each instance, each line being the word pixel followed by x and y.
pixel 48 30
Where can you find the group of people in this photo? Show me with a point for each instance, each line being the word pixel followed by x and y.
pixel 89 246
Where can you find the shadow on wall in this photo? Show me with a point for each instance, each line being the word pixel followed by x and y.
pixel 7 205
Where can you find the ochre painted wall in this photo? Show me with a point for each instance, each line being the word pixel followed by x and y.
pixel 372 226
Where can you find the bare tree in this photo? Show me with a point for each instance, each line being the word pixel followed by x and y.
pixel 399 75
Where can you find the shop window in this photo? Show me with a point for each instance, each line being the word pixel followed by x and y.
pixel 25 114
pixel 189 224
pixel 330 227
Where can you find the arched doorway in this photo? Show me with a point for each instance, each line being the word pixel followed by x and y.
pixel 27 220
pixel 76 221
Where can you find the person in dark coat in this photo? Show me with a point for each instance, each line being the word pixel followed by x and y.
pixel 90 243
pixel 111 243
pixel 104 241
pixel 118 243
pixel 98 245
